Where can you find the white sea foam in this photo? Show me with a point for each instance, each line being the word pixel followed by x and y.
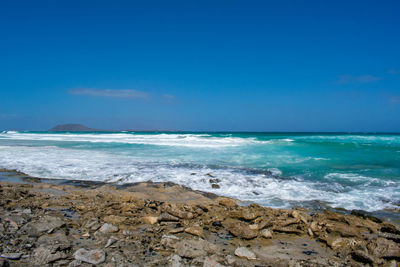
pixel 96 165
pixel 186 140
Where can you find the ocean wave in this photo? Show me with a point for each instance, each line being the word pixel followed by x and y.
pixel 186 140
pixel 264 187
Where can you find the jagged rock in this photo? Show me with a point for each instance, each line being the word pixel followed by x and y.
pixel 384 248
pixel 175 261
pixel 150 220
pixel 111 241
pixel 195 230
pixel 44 224
pixel 96 256
pixel 362 256
pixel 240 229
pixel 108 228
pixel 247 214
pixel 211 261
pixel 227 202
pixel 194 248
pixel 342 229
pixel 266 233
pixel 177 211
pixel 11 256
pixel 165 217
pixel 169 241
pixel 44 255
pixel 243 252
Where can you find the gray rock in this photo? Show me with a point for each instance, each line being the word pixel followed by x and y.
pixel 212 262
pixel 175 261
pixel 194 248
pixel 111 241
pixel 166 217
pixel 96 256
pixel 230 259
pixel 44 224
pixel 44 255
pixel 169 241
pixel 11 256
pixel 108 228
pixel 243 252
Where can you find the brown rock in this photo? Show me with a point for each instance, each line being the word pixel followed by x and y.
pixel 342 229
pixel 113 219
pixel 239 229
pixel 165 217
pixel 227 202
pixel 195 230
pixel 245 214
pixel 384 248
pixel 362 256
pixel 194 248
pixel 266 233
pixel 150 220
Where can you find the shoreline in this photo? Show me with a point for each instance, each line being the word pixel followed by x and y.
pixel 160 224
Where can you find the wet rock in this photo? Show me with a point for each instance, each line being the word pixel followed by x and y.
pixel 266 233
pixel 108 228
pixel 45 255
pixel 240 229
pixel 215 186
pixel 194 248
pixel 150 220
pixel 11 256
pixel 169 241
pixel 195 230
pixel 165 217
pixel 96 256
pixel 243 252
pixel 362 256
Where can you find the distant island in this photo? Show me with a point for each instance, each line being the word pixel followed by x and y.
pixel 73 128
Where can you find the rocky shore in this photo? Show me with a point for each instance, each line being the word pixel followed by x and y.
pixel 147 224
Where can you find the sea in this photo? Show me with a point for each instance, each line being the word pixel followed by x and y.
pixel 340 170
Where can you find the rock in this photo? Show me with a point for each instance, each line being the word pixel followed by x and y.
pixel 211 262
pixel 247 214
pixel 44 255
pixel 96 256
pixel 165 217
pixel 195 230
pixel 243 252
pixel 178 211
pixel 113 219
pixel 11 256
pixel 190 248
pixel 150 220
pixel 108 228
pixel 215 186
pixel 227 202
pixel 169 241
pixel 230 259
pixel 75 263
pixel 362 256
pixel 342 229
pixel 45 224
pixel 384 248
pixel 175 261
pixel 92 224
pixel 240 229
pixel 56 241
pixel 266 233
pixel 177 230
pixel 111 241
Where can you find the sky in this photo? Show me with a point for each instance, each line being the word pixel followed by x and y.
pixel 201 65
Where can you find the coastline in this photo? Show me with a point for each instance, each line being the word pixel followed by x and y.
pixel 53 222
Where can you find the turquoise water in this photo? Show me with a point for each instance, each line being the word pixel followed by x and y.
pixel 352 171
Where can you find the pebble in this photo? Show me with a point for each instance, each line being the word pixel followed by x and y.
pixel 245 253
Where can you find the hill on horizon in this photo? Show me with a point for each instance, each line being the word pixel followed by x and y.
pixel 72 127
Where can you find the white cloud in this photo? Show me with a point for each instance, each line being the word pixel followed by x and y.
pixel 345 79
pixel 127 93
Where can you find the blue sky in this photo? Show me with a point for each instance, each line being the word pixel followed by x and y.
pixel 201 65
